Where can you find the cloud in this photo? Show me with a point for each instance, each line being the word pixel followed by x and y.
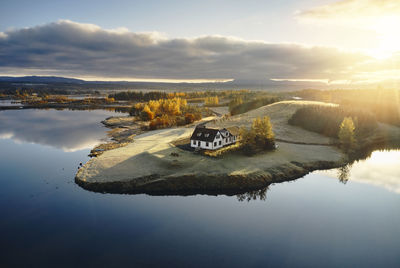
pixel 353 9
pixel 85 50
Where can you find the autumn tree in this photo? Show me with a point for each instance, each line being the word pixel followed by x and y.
pixel 264 135
pixel 259 137
pixel 146 114
pixel 189 118
pixel 211 101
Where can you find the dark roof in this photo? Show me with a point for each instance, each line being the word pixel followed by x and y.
pixel 204 134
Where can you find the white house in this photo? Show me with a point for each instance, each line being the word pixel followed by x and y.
pixel 212 138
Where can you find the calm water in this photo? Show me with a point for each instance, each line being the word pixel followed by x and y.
pixel 9 103
pixel 47 220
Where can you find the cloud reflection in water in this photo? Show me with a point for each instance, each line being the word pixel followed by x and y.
pixel 381 169
pixel 66 130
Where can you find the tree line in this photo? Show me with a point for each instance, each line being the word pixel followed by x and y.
pixel 383 103
pixel 239 105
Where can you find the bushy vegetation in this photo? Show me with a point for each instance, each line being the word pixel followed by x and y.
pixel 164 113
pixel 327 120
pixel 223 151
pixel 259 137
pixel 239 106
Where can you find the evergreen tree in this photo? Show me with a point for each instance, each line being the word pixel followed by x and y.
pixel 347 134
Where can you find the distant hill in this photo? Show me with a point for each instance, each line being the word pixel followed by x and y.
pixel 40 79
pixel 65 83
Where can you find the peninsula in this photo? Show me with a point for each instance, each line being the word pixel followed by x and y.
pixel 153 164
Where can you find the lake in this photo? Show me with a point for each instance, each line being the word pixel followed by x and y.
pixel 49 221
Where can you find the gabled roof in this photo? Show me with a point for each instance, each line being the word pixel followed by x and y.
pixel 204 134
pixel 208 134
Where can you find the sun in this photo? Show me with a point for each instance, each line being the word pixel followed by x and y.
pixel 389 39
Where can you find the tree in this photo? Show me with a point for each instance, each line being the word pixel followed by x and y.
pixel 189 118
pixel 264 136
pixel 211 101
pixel 247 141
pixel 259 137
pixel 347 134
pixel 146 114
pixel 235 102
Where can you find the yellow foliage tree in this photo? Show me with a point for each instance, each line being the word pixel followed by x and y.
pixel 146 114
pixel 260 136
pixel 210 101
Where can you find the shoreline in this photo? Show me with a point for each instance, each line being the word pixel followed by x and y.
pixel 152 164
pixel 207 185
pixel 65 106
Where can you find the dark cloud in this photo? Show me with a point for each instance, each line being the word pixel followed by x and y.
pixel 69 48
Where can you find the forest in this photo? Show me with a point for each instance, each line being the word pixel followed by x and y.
pixel 384 104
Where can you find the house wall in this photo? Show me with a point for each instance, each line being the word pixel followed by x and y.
pixel 211 146
pixel 203 144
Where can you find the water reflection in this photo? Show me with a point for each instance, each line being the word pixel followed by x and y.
pixel 253 195
pixel 66 130
pixel 381 169
pixel 9 103
pixel 344 173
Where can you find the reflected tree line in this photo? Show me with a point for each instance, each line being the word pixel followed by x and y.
pixel 253 195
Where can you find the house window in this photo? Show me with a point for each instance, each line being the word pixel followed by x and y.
pixel 198 143
pixel 206 135
pixel 206 144
pixel 219 142
pixel 215 143
pixel 198 134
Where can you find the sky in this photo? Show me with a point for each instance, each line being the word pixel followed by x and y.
pixel 331 41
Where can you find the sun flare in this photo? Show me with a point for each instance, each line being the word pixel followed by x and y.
pixel 389 39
